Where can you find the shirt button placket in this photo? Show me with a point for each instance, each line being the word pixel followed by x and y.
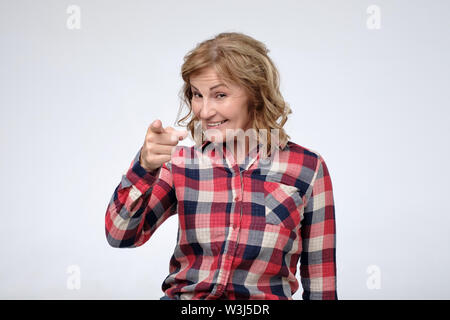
pixel 234 235
pixel 237 200
pixel 232 239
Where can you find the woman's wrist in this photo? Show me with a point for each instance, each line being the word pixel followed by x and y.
pixel 146 168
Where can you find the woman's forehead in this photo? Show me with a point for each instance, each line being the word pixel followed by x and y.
pixel 205 75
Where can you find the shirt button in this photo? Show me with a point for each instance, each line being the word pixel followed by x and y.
pixel 237 198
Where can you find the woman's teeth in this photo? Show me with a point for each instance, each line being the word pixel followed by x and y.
pixel 215 124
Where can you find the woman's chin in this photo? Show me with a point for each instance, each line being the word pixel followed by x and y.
pixel 215 135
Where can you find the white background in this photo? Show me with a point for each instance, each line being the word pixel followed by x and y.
pixel 75 106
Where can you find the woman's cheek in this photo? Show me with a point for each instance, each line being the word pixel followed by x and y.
pixel 195 109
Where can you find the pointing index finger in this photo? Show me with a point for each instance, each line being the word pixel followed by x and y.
pixel 157 127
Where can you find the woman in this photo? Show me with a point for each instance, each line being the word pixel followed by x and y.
pixel 247 218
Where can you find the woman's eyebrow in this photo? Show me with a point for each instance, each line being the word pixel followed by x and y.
pixel 213 87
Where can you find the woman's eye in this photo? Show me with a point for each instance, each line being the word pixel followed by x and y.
pixel 219 95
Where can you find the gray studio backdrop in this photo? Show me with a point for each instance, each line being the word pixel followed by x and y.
pixel 80 81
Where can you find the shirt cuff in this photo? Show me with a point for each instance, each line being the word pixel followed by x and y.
pixel 138 176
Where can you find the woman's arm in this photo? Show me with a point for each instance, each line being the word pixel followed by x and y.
pixel 318 258
pixel 140 203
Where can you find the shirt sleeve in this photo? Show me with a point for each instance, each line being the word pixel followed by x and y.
pixel 318 257
pixel 140 203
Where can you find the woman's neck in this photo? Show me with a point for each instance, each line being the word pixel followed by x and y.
pixel 239 150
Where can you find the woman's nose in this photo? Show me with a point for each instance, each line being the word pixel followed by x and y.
pixel 207 110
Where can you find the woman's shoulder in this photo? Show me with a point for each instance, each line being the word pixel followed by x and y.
pixel 302 151
pixel 308 158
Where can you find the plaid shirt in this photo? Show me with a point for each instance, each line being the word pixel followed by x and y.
pixel 241 230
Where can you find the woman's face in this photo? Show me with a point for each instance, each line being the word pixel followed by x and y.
pixel 214 100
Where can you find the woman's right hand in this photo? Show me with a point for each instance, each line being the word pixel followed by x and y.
pixel 158 145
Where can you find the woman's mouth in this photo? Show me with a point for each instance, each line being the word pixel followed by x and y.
pixel 216 124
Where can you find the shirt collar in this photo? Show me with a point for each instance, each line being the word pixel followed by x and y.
pixel 280 147
pixel 253 154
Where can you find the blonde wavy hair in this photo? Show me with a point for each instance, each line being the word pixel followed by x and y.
pixel 239 59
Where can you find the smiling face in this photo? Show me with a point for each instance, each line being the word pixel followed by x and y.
pixel 215 101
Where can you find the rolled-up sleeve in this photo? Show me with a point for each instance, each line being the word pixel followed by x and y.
pixel 318 231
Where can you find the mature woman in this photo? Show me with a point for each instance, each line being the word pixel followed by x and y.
pixel 248 212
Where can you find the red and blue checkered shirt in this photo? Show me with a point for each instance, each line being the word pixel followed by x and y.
pixel 241 229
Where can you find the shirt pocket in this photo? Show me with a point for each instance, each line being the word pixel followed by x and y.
pixel 283 204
